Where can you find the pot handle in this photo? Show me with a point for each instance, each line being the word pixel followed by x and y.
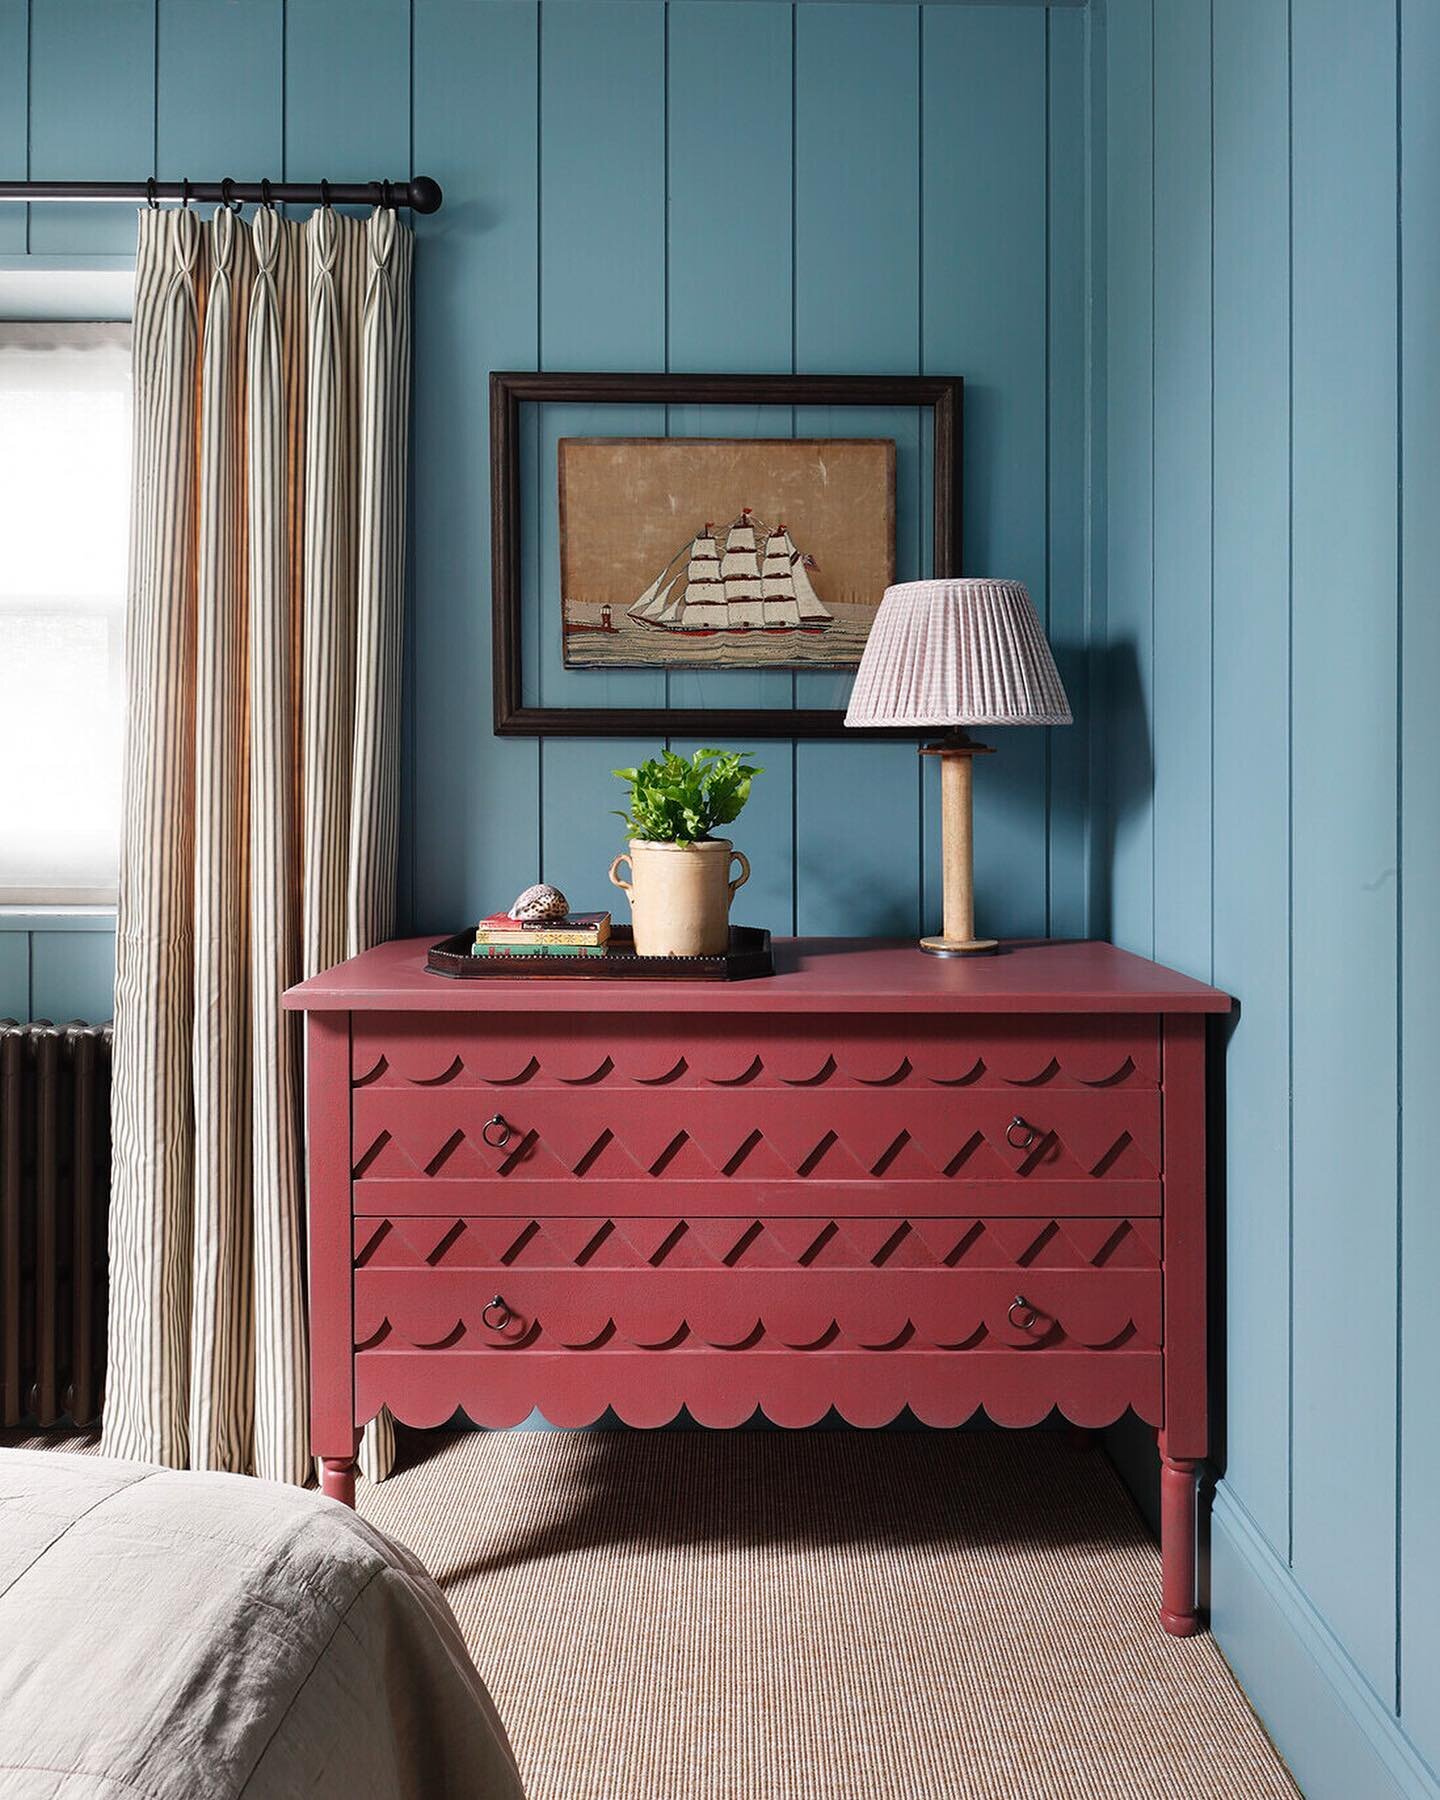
pixel 744 875
pixel 625 858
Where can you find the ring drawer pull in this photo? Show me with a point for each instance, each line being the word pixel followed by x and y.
pixel 1027 1130
pixel 1021 1305
pixel 497 1305
pixel 501 1128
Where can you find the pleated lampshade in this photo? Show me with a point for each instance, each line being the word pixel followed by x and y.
pixel 957 653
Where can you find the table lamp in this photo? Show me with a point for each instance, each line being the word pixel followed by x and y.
pixel 957 653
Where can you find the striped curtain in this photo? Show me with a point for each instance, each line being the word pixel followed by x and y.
pixel 271 408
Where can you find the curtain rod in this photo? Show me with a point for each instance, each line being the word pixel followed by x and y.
pixel 420 193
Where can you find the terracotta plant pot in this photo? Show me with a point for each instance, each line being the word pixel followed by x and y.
pixel 680 895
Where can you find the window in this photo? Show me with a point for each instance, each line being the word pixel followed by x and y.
pixel 64 527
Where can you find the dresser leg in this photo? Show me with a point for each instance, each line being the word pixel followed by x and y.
pixel 337 1475
pixel 1179 1479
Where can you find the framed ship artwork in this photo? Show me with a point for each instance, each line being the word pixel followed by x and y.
pixel 705 554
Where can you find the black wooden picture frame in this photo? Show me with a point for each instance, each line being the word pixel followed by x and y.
pixel 510 389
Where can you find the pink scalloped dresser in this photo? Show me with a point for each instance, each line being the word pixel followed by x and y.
pixel 875 1180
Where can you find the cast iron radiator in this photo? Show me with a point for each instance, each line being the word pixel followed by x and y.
pixel 54 1200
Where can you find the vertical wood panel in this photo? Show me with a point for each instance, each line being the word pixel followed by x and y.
pixel 985 315
pixel 580 833
pixel 602 163
pixel 1098 830
pixel 1344 465
pixel 15 975
pixel 347 91
pixel 715 172
pixel 857 300
pixel 1252 723
pixel 1420 862
pixel 602 305
pixel 1127 833
pixel 1180 717
pixel 1122 827
pixel 14 128
pixel 1067 764
pixel 729 183
pixel 72 975
pixel 206 48
pixel 92 110
pixel 474 806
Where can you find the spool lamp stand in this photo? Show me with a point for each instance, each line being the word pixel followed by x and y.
pixel 958 938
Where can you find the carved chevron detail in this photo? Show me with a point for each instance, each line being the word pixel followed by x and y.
pixel 781 1243
pixel 784 1146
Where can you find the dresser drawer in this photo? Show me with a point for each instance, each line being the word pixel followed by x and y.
pixel 894 1134
pixel 739 1284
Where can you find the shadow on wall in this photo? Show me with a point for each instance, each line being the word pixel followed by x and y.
pixel 1118 697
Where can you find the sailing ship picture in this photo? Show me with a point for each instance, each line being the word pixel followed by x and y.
pixel 723 553
pixel 759 581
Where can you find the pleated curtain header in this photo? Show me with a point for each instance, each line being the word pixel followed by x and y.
pixel 957 653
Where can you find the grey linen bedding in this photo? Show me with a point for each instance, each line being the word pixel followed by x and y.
pixel 168 1636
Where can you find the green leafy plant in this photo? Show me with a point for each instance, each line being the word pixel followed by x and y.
pixel 680 800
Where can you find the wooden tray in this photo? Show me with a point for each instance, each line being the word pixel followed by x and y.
pixel 748 955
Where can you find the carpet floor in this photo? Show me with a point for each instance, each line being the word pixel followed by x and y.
pixel 818 1616
pixel 821 1616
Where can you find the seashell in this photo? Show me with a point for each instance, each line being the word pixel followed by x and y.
pixel 540 902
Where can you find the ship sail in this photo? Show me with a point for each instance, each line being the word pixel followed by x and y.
pixel 777 589
pixel 812 609
pixel 652 603
pixel 702 606
pixel 740 571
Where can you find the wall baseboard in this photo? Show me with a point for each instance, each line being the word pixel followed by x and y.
pixel 1339 1739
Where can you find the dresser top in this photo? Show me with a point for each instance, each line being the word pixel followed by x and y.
pixel 812 975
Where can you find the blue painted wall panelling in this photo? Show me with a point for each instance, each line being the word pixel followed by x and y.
pixel 1068 599
pixel 64 969
pixel 579 230
pixel 472 814
pixel 1251 697
pixel 1181 490
pixel 857 308
pixel 1272 277
pixel 986 177
pixel 92 110
pixel 1125 827
pixel 14 122
pixel 1420 859
pixel 1344 850
pixel 200 45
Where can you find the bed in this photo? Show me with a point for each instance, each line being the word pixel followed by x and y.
pixel 181 1636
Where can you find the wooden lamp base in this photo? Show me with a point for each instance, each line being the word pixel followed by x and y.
pixel 958 937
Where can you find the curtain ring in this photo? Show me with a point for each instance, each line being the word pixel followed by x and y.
pixel 150 199
pixel 185 190
pixel 265 199
pixel 325 200
pixel 227 195
pixel 387 195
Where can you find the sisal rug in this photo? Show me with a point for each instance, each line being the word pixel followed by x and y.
pixel 821 1616
pixel 817 1616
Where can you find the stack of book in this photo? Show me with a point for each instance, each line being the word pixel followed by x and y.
pixel 579 934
